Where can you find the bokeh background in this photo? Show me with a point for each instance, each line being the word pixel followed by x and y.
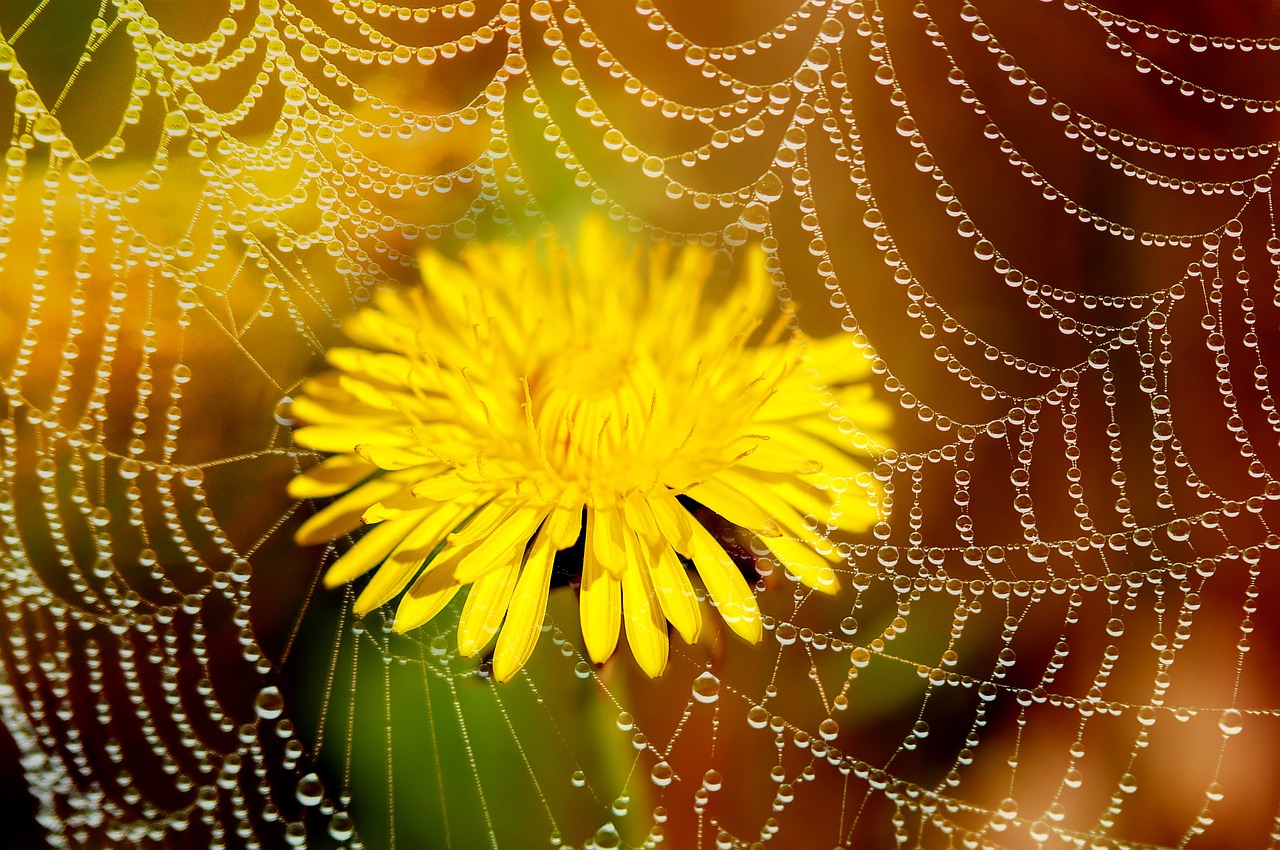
pixel 238 262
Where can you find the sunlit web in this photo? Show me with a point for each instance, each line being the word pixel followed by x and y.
pixel 1022 215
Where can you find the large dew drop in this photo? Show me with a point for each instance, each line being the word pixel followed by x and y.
pixel 662 774
pixel 269 703
pixel 310 790
pixel 706 688
pixel 606 838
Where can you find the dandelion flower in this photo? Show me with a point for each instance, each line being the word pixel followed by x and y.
pixel 529 396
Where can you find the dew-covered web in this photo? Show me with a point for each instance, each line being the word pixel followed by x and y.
pixel 1047 227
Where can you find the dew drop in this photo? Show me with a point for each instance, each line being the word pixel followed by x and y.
pixel 755 216
pixel 341 827
pixel 269 704
pixel 310 790
pixel 606 838
pixel 1231 722
pixel 284 412
pixel 662 774
pixel 769 188
pixel 176 123
pixel 706 688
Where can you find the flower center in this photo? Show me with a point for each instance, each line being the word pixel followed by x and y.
pixel 586 372
pixel 591 417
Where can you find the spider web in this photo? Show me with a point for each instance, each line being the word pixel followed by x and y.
pixel 1022 216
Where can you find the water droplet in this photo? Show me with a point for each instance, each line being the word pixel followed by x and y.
pixel 284 412
pixel 606 838
pixel 662 774
pixel 706 688
pixel 341 827
pixel 769 188
pixel 27 101
pixel 578 779
pixel 755 216
pixel 1231 722
pixel 269 704
pixel 176 123
pixel 310 790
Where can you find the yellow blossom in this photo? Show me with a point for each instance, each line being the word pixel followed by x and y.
pixel 527 397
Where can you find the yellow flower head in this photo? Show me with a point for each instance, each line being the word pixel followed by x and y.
pixel 527 396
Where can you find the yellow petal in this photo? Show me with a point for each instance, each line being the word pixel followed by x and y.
pixel 770 491
pixel 504 544
pixel 446 485
pixel 393 369
pixel 675 592
pixel 646 627
pixel 335 475
pixel 868 413
pixel 316 409
pixel 410 556
pixel 485 607
pixel 735 505
pixel 605 531
pixel 780 456
pixel 344 513
pixel 836 359
pixel 369 550
pixel 565 525
pixel 639 517
pixel 394 507
pixel 599 607
pixel 729 590
pixel 673 521
pixel 816 443
pixel 528 606
pixel 806 499
pixel 807 565
pixel 414 611
pixel 398 457
pixel 343 438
